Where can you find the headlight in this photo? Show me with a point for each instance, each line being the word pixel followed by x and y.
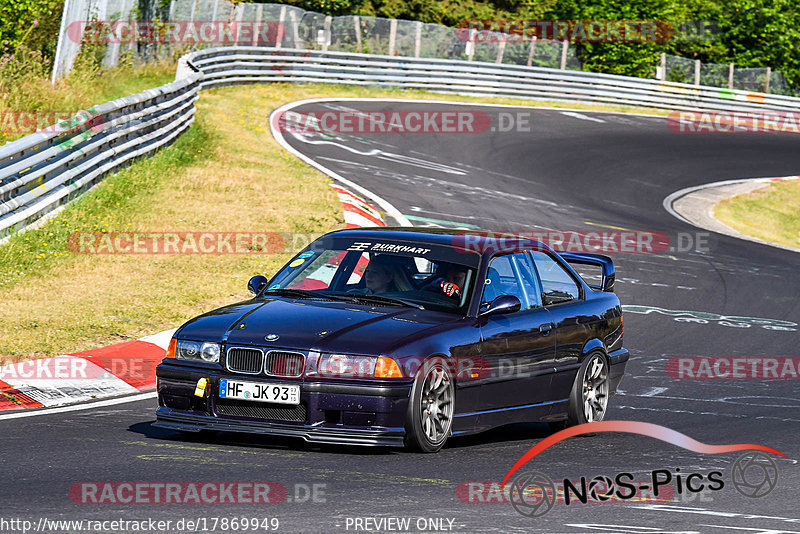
pixel 333 365
pixel 344 365
pixel 197 351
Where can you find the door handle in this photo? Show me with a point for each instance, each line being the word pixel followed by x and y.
pixel 545 328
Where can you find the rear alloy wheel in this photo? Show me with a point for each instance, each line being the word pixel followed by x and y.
pixel 430 411
pixel 589 398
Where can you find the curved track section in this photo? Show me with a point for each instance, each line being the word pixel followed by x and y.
pixel 572 171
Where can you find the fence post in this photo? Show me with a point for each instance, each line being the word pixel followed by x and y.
pixel 214 11
pixel 564 45
pixel 257 33
pixel 239 10
pixel 469 48
pixel 326 33
pixel 295 29
pixel 663 76
pixel 193 11
pixel 531 51
pixel 697 72
pixel 730 76
pixel 418 39
pixel 281 27
pixel 392 35
pixel 357 27
pixel 766 82
pixel 501 48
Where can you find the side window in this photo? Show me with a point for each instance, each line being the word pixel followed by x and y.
pixel 557 284
pixel 528 278
pixel 501 280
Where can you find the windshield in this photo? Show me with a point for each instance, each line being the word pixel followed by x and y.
pixel 382 273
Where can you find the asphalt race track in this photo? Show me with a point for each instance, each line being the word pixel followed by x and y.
pixel 572 171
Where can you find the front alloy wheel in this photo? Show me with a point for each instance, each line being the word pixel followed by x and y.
pixel 430 411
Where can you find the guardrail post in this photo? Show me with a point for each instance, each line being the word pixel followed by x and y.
pixel 730 76
pixel 357 28
pixel 663 73
pixel 697 72
pixel 766 82
pixel 392 35
pixel 501 48
pixel 564 45
pixel 531 51
pixel 418 39
pixel 281 27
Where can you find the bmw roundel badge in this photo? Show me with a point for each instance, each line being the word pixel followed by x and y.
pixel 272 337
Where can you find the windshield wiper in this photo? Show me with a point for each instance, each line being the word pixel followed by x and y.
pixel 304 293
pixel 300 293
pixel 380 299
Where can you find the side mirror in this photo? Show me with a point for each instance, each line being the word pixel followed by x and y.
pixel 256 284
pixel 500 305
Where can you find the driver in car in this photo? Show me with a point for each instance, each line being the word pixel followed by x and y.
pixel 378 277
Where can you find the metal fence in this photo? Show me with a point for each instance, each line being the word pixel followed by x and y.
pixel 301 29
pixel 693 71
pixel 309 30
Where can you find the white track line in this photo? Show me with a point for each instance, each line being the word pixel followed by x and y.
pixel 79 407
pixel 276 133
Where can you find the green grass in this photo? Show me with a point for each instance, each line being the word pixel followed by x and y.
pixel 82 89
pixel 771 213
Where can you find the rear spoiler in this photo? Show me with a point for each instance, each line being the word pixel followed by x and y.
pixel 604 262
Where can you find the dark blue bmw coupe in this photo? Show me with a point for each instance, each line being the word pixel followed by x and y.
pixel 398 336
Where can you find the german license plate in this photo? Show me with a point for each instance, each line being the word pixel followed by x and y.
pixel 259 392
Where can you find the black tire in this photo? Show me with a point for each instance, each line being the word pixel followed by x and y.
pixel 428 427
pixel 590 387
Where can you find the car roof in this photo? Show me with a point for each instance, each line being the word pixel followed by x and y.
pixel 479 241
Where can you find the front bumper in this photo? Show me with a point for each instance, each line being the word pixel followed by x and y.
pixel 334 412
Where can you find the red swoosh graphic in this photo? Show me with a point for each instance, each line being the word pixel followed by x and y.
pixel 634 427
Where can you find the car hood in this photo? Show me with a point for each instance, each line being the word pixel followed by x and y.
pixel 325 326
